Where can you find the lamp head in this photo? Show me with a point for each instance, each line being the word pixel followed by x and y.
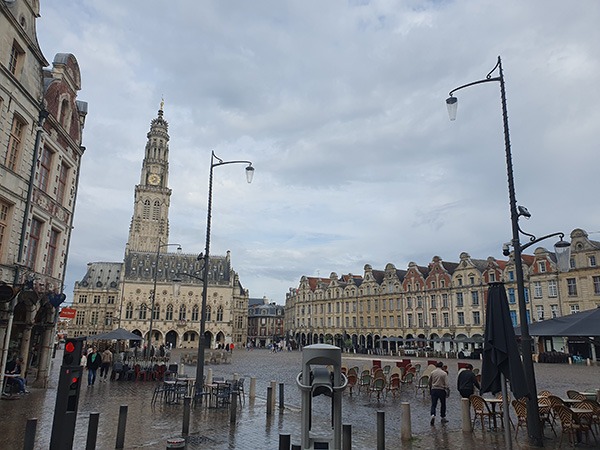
pixel 524 212
pixel 562 249
pixel 249 173
pixel 452 105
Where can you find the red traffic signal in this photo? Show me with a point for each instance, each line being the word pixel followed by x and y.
pixel 73 351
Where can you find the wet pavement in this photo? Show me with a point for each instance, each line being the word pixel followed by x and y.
pixel 149 427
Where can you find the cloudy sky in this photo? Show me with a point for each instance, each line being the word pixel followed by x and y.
pixel 341 107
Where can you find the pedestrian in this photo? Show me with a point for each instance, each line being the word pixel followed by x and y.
pixel 439 390
pixel 107 359
pixel 83 360
pixel 16 376
pixel 231 347
pixel 467 382
pixel 94 360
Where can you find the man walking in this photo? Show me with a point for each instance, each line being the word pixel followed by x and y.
pixel 438 388
pixel 93 362
pixel 467 382
pixel 107 358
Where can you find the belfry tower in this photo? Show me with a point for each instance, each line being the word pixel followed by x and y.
pixel 150 221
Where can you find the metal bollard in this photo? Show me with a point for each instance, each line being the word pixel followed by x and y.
pixel 176 443
pixel 598 395
pixel 252 390
pixel 92 431
pixel 281 404
pixel 380 430
pixel 405 427
pixel 122 424
pixel 269 401
pixel 347 437
pixel 284 441
pixel 30 428
pixel 274 389
pixel 296 447
pixel 209 376
pixel 467 425
pixel 185 427
pixel 233 407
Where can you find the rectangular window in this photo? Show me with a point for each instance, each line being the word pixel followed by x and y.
pixel 384 318
pixel 461 318
pixel 574 309
pixel 446 319
pixel 511 275
pixel 80 318
pixel 433 302
pixel 537 289
pixel 596 281
pixel 572 263
pixel 592 260
pixel 34 243
pixel 409 320
pixel 475 298
pixel 111 300
pixel 459 299
pixel 4 217
pixel 52 252
pixel 83 298
pixel 94 318
pixel 14 143
pixel 554 311
pixel 409 302
pixel 552 288
pixel 513 318
pixel 96 299
pixel 434 322
pixel 45 167
pixel 63 176
pixel 15 63
pixel 571 287
pixel 511 295
pixel 542 266
pixel 108 319
pixel 476 318
pixel 419 301
pixel 420 320
pixel 540 312
pixel 444 300
pixel 492 277
pixel 391 321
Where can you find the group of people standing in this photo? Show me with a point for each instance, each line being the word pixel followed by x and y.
pixel 93 360
pixel 440 389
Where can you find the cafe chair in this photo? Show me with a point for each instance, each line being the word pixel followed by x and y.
pixel 570 425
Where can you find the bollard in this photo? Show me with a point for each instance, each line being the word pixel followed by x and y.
pixel 570 360
pixel 269 402
pixel 185 427
pixel 236 376
pixel 233 407
pixel 181 370
pixel 598 395
pixel 405 426
pixel 589 361
pixel 121 427
pixel 296 447
pixel 467 425
pixel 176 443
pixel 347 437
pixel 281 404
pixel 380 430
pixel 92 431
pixel 273 397
pixel 209 376
pixel 30 428
pixel 252 390
pixel 284 441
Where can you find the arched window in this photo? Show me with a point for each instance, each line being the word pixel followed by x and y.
pixel 169 315
pixel 156 210
pixel 220 314
pixel 182 312
pixel 143 309
pixel 156 315
pixel 195 313
pixel 208 311
pixel 129 311
pixel 146 210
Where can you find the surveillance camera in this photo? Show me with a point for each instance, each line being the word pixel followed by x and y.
pixel 524 212
pixel 506 249
pixel 200 257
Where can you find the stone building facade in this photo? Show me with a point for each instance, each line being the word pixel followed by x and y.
pixel 41 127
pixel 442 304
pixel 120 295
pixel 265 322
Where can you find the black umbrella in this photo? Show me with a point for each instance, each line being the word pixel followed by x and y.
pixel 500 350
pixel 120 334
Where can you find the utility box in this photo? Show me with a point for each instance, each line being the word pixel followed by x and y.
pixel 321 375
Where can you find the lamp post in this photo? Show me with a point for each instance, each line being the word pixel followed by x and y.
pixel 215 161
pixel 562 249
pixel 153 299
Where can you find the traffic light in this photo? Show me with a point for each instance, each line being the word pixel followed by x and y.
pixel 73 351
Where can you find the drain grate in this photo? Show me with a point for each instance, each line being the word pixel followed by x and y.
pixel 199 440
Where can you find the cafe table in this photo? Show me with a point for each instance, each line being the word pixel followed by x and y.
pixel 493 401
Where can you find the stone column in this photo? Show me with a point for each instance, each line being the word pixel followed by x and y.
pixel 46 350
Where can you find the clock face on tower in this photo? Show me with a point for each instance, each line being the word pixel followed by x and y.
pixel 153 178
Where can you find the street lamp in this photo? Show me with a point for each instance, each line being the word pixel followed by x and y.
pixel 562 249
pixel 153 300
pixel 215 161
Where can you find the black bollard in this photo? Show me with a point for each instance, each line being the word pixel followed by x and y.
pixel 347 437
pixel 233 407
pixel 380 430
pixel 30 428
pixel 281 404
pixel 284 441
pixel 296 447
pixel 121 427
pixel 185 427
pixel 92 431
pixel 269 401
